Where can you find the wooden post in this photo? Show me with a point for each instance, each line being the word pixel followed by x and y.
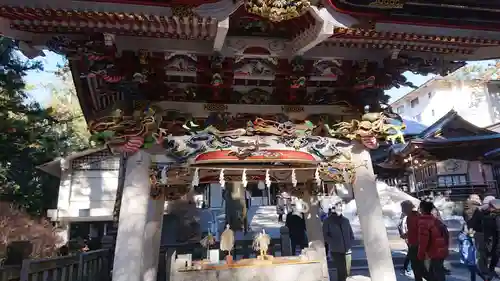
pixel 81 262
pixel 286 246
pixel 375 240
pixel 26 270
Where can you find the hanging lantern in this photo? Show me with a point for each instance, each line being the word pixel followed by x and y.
pixel 268 179
pixel 317 177
pixel 261 185
pixel 196 178
pixel 294 178
pixel 222 181
pixel 164 177
pixel 244 178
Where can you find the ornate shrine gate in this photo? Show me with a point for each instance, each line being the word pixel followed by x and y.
pixel 234 91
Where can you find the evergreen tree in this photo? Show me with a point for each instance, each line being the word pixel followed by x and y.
pixel 29 136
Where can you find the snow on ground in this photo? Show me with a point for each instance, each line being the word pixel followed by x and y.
pixel 390 199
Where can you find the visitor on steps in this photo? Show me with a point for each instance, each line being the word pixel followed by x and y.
pixel 433 242
pixel 339 236
pixel 280 207
pixel 412 217
pixel 468 252
pixel 297 229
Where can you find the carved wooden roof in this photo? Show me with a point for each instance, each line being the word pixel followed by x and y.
pixel 451 13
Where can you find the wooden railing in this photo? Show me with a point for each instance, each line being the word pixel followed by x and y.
pixel 88 266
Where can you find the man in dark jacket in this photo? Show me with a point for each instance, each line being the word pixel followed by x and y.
pixel 339 236
pixel 470 206
pixel 297 229
pixel 483 222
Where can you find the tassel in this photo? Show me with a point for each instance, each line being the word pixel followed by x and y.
pixel 222 182
pixel 268 179
pixel 244 178
pixel 164 177
pixel 317 177
pixel 294 178
pixel 196 178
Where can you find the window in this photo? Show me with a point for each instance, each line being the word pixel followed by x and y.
pixel 429 94
pixel 433 113
pixel 452 180
pixel 418 117
pixel 414 102
pixel 400 109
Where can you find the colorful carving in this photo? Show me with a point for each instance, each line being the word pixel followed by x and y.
pixel 374 125
pixel 144 128
pixel 277 10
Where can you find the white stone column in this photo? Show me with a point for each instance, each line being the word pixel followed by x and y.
pixel 375 240
pixel 139 228
pixel 315 230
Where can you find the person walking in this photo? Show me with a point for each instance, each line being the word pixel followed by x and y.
pixel 403 233
pixel 339 236
pixel 297 229
pixel 483 222
pixel 468 253
pixel 433 242
pixel 412 217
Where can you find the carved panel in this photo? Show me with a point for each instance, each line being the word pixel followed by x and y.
pixel 330 69
pixel 180 63
pixel 248 67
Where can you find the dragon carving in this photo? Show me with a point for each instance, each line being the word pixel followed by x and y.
pixel 373 125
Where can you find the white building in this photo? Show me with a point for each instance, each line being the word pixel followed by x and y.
pixel 475 102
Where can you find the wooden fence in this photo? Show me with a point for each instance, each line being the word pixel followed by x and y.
pixel 88 266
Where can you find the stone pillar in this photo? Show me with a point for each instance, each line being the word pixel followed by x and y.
pixel 315 230
pixel 375 240
pixel 139 228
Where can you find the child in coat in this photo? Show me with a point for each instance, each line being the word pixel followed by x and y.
pixel 467 251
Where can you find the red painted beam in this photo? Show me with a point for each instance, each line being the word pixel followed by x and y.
pixel 164 3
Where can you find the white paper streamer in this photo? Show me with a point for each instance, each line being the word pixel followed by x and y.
pixel 222 181
pixel 294 178
pixel 317 177
pixel 244 178
pixel 164 177
pixel 268 179
pixel 196 178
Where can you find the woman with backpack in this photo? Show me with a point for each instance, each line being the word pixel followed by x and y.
pixel 468 254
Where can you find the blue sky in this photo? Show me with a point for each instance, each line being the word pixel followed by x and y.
pixel 39 78
pixel 52 60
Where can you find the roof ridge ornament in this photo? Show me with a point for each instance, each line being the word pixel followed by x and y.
pixel 277 10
